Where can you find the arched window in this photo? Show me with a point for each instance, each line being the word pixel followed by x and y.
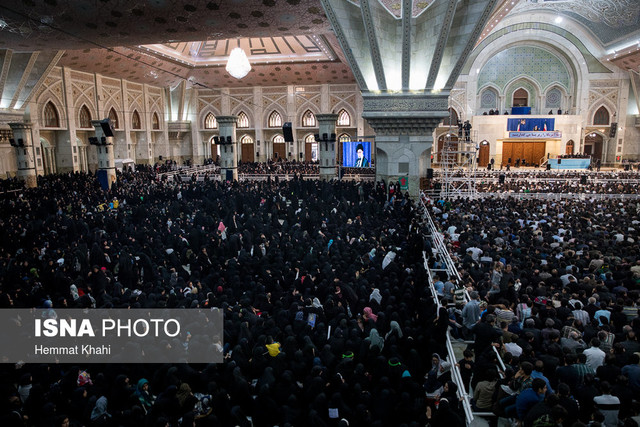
pixel 520 98
pixel 569 147
pixel 85 117
pixel 344 119
pixel 308 119
pixel 451 119
pixel 243 120
pixel 601 117
pixel 275 120
pixel 311 148
pixel 51 118
pixel 155 120
pixel 210 122
pixel 344 137
pixel 278 139
pixel 246 139
pixel 114 118
pixel 135 120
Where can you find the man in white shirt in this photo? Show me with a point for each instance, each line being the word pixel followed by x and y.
pixel 595 356
pixel 608 405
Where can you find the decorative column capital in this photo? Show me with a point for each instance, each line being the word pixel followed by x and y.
pixel 328 118
pixel 227 119
pixel 21 125
pixel 405 113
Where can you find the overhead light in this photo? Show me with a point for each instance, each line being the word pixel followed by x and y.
pixel 558 19
pixel 238 65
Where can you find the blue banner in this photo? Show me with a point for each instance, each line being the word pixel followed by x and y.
pixel 521 125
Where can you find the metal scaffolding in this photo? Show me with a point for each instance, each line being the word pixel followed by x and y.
pixel 459 162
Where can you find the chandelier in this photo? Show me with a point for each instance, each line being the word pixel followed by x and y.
pixel 238 65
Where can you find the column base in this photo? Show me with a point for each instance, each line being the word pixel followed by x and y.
pixel 29 177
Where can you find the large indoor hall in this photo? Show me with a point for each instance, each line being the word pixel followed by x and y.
pixel 323 213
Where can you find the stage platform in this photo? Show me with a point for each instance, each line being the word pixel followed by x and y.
pixel 569 163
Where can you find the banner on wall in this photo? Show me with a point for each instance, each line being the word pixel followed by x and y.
pixel 537 135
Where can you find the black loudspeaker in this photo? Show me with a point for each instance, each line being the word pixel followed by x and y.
pixel 489 166
pixel 229 139
pixel 160 158
pixel 107 127
pixel 583 180
pixel 429 173
pixel 229 175
pixel 257 154
pixel 93 140
pixel 501 178
pixel 612 131
pixel 216 140
pixel 559 161
pixel 548 166
pixel 287 131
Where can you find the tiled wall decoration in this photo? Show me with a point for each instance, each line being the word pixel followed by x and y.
pixel 536 63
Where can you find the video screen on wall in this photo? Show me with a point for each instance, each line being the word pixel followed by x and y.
pixel 356 154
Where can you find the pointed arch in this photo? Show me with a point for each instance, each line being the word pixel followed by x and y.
pixel 278 139
pixel 155 121
pixel 601 116
pixel 344 137
pixel 246 139
pixel 275 119
pixel 243 120
pixel 451 119
pixel 569 147
pixel 489 97
pixel 520 97
pixel 136 123
pixel 344 118
pixel 51 116
pixel 210 121
pixel 113 116
pixel 85 117
pixel 309 119
pixel 553 97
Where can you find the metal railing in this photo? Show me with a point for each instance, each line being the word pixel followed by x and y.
pixel 451 356
pixel 453 272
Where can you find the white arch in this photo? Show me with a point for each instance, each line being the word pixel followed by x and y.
pixel 267 113
pixel 62 118
pixel 562 48
pixel 601 103
pixel 201 116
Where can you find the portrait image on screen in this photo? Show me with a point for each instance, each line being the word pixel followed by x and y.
pixel 356 154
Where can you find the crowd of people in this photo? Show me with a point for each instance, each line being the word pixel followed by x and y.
pixel 554 285
pixel 278 167
pixel 269 254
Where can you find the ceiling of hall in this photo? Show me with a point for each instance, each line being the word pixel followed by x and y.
pixel 112 37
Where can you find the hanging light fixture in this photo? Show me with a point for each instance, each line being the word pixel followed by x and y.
pixel 238 65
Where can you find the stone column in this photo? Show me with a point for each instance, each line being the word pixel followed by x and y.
pixel 228 152
pixel 25 153
pixel 404 125
pixel 327 145
pixel 106 160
